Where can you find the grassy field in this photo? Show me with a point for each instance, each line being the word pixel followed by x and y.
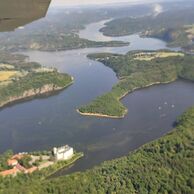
pixel 146 56
pixel 6 66
pixel 6 75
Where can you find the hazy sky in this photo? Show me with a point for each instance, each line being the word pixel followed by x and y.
pixel 89 2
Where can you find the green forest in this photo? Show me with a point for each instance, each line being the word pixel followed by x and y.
pixel 53 42
pixel 162 166
pixel 21 79
pixel 170 26
pixel 138 73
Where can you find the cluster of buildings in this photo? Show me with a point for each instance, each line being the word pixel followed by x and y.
pixel 16 166
pixel 62 153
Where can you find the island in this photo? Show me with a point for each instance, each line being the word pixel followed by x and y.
pixel 21 80
pixel 135 70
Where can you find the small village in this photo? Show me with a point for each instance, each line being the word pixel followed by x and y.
pixel 27 163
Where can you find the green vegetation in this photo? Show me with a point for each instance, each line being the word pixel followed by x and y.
pixel 25 161
pixel 3 160
pixel 166 20
pixel 58 31
pixel 25 79
pixel 53 42
pixel 175 37
pixel 32 179
pixel 35 84
pixel 173 26
pixel 134 72
pixel 181 36
pixel 162 166
pixel 61 164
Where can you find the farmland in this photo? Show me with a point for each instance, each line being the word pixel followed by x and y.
pixel 7 75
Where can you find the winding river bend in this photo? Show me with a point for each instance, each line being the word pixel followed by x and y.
pixel 43 123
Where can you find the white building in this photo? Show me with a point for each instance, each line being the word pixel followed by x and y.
pixel 63 153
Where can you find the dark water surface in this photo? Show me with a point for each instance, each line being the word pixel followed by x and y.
pixel 44 123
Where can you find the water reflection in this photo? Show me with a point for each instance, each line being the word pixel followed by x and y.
pixel 17 13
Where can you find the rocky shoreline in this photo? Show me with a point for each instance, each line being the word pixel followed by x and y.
pixel 46 89
pixel 100 115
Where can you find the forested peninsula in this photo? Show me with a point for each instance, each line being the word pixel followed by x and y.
pixel 176 27
pixel 20 80
pixel 135 70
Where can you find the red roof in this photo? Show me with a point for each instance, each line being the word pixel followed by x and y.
pixel 13 171
pixel 18 156
pixel 12 162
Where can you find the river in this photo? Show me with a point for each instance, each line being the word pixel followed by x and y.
pixel 47 122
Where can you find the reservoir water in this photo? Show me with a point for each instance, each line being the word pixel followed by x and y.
pixel 43 123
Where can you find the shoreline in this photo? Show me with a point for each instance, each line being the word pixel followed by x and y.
pixel 147 86
pixel 100 115
pixel 75 158
pixel 120 98
pixel 118 44
pixel 23 98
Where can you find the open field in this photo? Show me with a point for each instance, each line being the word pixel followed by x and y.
pixel 43 70
pixel 150 56
pixel 6 66
pixel 6 75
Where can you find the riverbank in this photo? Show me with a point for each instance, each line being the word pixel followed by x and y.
pixel 56 43
pixel 129 169
pixel 66 164
pixel 178 144
pixel 47 89
pixel 119 99
pixel 99 115
pixel 59 111
pixel 22 80
pixel 138 70
pixel 40 163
